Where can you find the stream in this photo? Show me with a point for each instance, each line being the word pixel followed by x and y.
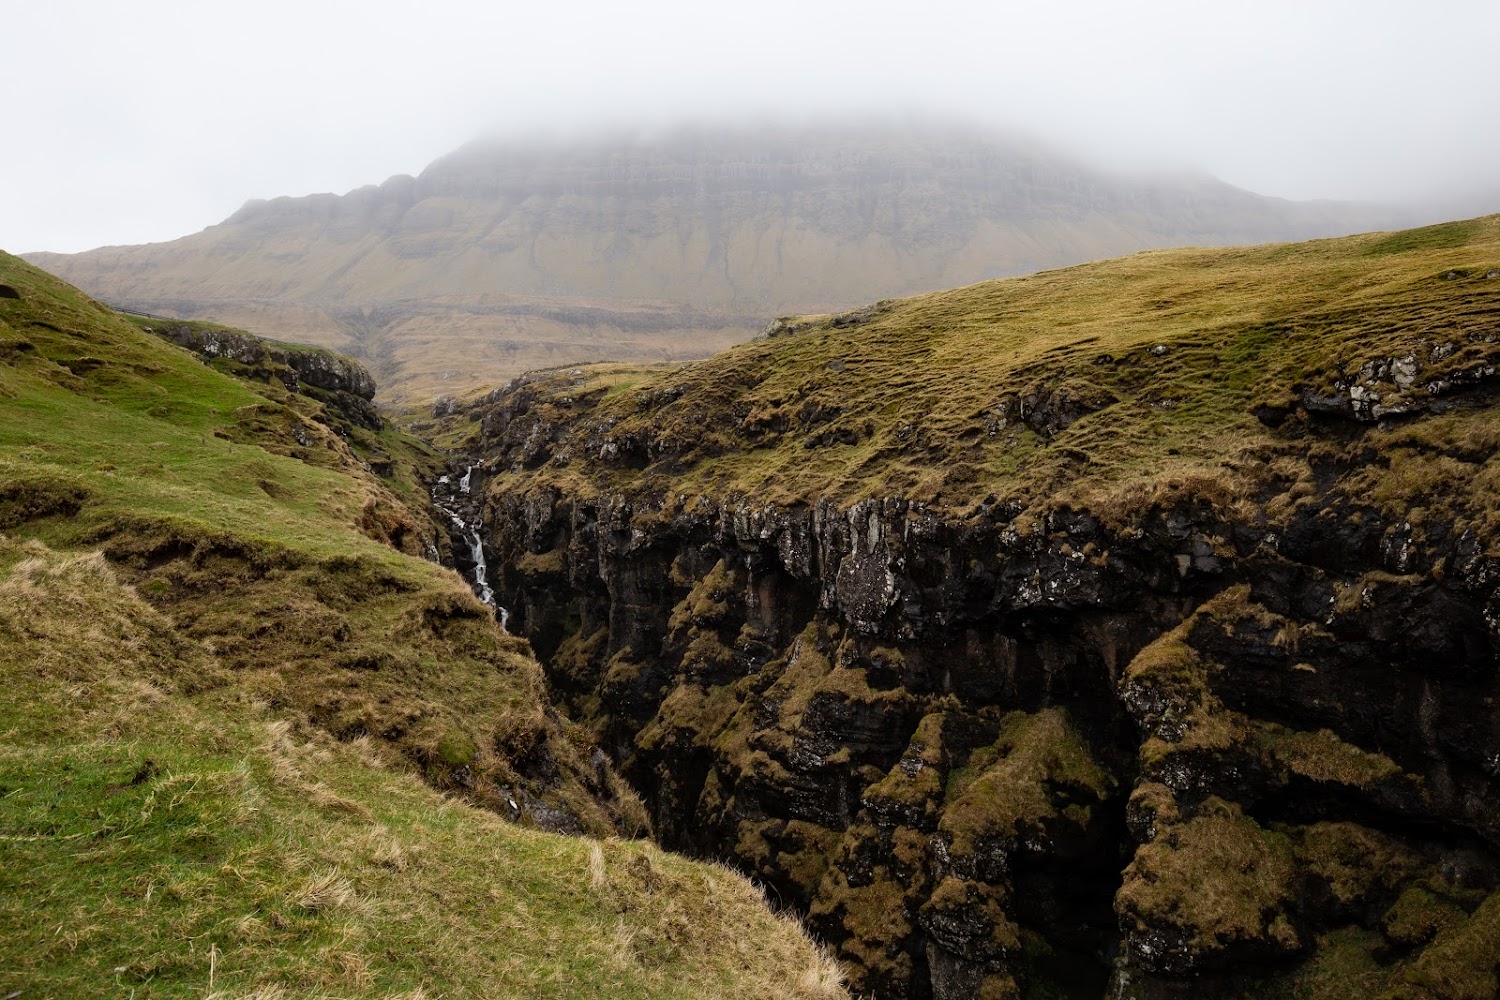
pixel 456 499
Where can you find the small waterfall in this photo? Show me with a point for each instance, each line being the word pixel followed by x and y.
pixel 457 501
pixel 481 570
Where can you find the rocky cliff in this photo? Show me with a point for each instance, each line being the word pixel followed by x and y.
pixel 510 255
pixel 1130 629
pixel 342 384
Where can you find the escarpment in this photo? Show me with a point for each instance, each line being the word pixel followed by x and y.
pixel 342 384
pixel 1095 632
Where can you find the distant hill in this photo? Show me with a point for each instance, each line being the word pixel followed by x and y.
pixel 506 256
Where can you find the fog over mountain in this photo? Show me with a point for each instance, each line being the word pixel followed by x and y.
pixel 593 222
pixel 509 255
pixel 146 121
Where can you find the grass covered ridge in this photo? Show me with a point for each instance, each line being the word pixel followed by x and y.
pixel 231 699
pixel 1299 441
pixel 1102 384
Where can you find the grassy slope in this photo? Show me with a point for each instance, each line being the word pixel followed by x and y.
pixel 412 462
pixel 222 688
pixel 1164 356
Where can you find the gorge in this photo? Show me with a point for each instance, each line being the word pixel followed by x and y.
pixel 803 501
pixel 1121 630
pixel 1125 629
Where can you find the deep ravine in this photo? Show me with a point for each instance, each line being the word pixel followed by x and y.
pixel 971 757
pixel 1058 636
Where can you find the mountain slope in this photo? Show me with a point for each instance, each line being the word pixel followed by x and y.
pixel 230 701
pixel 1128 628
pixel 508 256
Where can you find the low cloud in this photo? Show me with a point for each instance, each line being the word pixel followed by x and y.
pixel 150 120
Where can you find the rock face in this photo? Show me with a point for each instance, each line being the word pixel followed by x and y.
pixel 1229 733
pixel 345 385
pixel 945 740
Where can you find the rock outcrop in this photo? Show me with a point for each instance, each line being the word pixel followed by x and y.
pixel 343 384
pixel 942 739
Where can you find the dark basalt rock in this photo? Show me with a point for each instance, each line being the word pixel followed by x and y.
pixel 1431 380
pixel 979 753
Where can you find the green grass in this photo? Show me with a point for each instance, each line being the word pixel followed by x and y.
pixel 1444 236
pixel 251 746
pixel 1157 363
pixel 149 428
pixel 164 833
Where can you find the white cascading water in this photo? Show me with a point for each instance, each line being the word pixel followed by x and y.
pixel 471 534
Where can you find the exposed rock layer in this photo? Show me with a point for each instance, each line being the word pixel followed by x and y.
pixel 342 384
pixel 942 738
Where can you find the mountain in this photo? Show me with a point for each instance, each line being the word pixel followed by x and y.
pixel 1122 630
pixel 253 743
pixel 511 255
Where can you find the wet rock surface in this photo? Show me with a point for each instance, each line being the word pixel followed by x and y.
pixel 458 496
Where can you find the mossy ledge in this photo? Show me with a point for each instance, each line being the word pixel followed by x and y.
pixel 1062 633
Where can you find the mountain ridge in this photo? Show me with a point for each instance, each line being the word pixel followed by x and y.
pixel 670 245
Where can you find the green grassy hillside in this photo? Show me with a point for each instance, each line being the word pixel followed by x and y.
pixel 1097 384
pixel 251 746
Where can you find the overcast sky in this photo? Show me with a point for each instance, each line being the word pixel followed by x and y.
pixel 147 120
